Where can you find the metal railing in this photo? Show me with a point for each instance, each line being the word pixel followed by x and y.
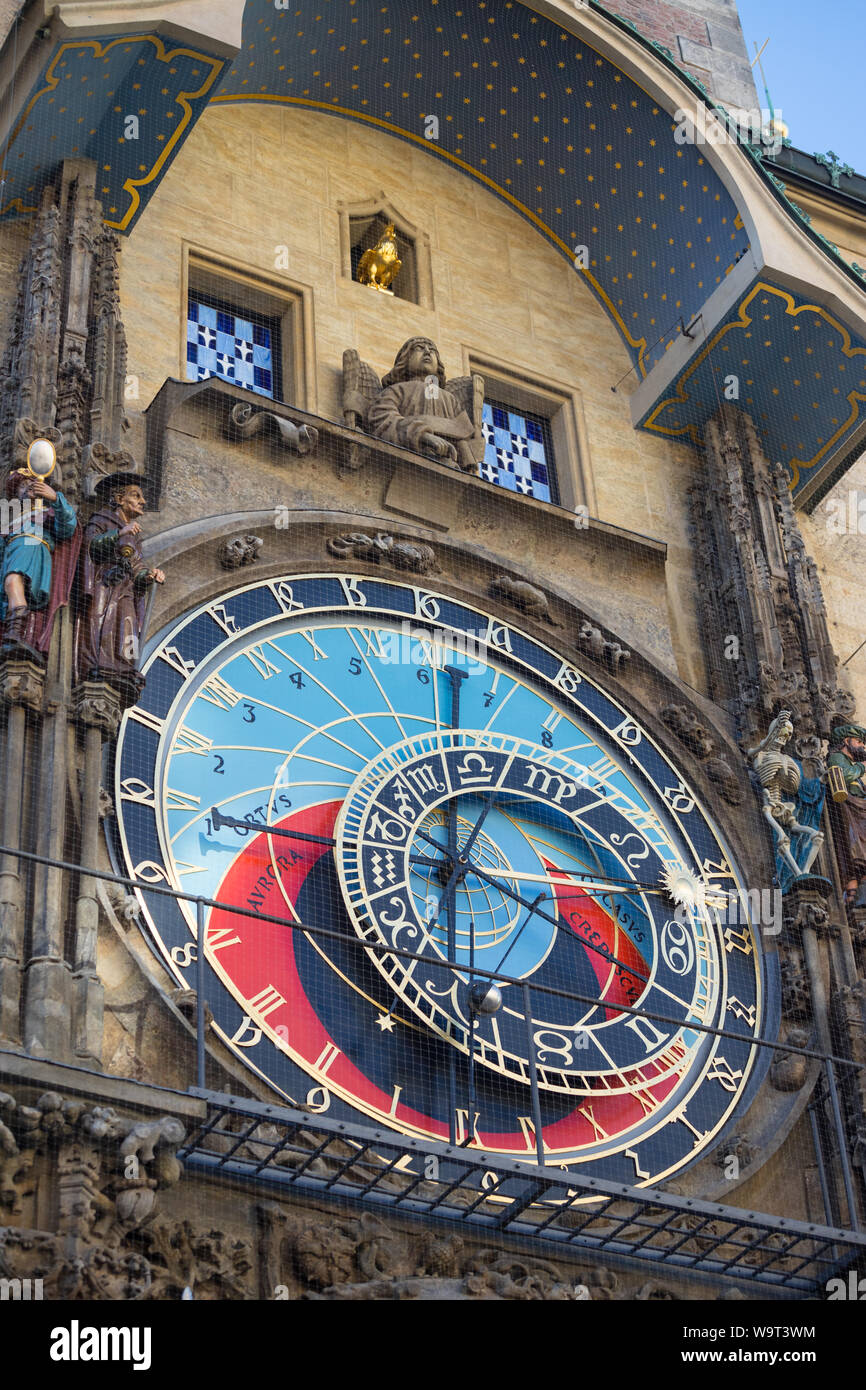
pixel 286 1148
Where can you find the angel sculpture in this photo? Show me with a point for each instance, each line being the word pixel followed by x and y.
pixel 778 774
pixel 415 407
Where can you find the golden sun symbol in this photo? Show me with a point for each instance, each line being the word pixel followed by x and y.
pixel 682 887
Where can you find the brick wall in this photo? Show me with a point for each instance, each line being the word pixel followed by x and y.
pixel 705 37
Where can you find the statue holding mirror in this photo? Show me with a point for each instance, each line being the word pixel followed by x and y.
pixel 38 552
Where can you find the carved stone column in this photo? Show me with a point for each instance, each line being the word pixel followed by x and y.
pixel 97 709
pixel 47 1006
pixel 21 688
pixel 765 631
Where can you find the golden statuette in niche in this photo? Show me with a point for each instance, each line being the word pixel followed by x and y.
pixel 381 263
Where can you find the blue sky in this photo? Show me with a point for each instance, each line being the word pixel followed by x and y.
pixel 814 65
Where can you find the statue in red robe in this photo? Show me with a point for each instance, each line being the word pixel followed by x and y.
pixel 114 580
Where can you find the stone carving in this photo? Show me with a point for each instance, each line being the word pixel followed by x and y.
pixel 764 624
pixel 790 1070
pixel 607 653
pixel 22 683
pixel 736 1147
pixel 96 705
pixel 651 1292
pixel 848 788
pixel 808 915
pixel 244 422
pixel 414 406
pixel 100 462
pixel 13 1164
pixel 362 1259
pixel 519 594
pixel 114 580
pixel 66 355
pixel 724 777
pixel 239 551
pixel 35 579
pixel 410 555
pixel 689 729
pixel 380 264
pixel 91 1206
pixel 849 1009
pixel 796 990
pixel 147 1160
pixel 148 1136
pixel 780 777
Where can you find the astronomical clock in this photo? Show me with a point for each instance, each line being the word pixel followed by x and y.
pixel 381 778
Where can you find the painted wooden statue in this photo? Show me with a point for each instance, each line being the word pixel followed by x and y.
pixel 797 840
pixel 38 551
pixel 113 584
pixel 848 789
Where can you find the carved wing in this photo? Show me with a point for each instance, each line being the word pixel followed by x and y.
pixel 361 386
pixel 469 391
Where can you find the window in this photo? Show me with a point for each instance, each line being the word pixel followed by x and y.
pixel 535 439
pixel 232 343
pixel 518 451
pixel 253 330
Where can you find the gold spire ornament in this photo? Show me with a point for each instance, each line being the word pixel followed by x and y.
pixel 381 263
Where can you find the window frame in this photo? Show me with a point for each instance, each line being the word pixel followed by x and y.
pixel 285 306
pixel 560 406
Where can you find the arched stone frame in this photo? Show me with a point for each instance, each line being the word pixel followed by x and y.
pixel 369 207
pixel 190 556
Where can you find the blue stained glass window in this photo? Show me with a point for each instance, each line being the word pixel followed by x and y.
pixel 518 452
pixel 240 348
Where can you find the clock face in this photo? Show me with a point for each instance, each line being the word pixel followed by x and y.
pixel 424 783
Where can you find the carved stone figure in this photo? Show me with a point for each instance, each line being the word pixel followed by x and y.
pixel 722 774
pixel 790 1069
pixel 413 556
pixel 113 582
pixel 381 264
pixel 688 727
pixel 240 550
pixel 39 549
pixel 147 1136
pixel 414 406
pixel 519 594
pixel 780 777
pixel 592 640
pixel 848 754
pixel 244 422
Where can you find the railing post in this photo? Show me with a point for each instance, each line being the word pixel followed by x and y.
pixel 841 1139
pixel 199 994
pixel 533 1077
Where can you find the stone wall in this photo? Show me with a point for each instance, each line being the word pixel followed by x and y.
pixel 705 37
pixel 254 178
